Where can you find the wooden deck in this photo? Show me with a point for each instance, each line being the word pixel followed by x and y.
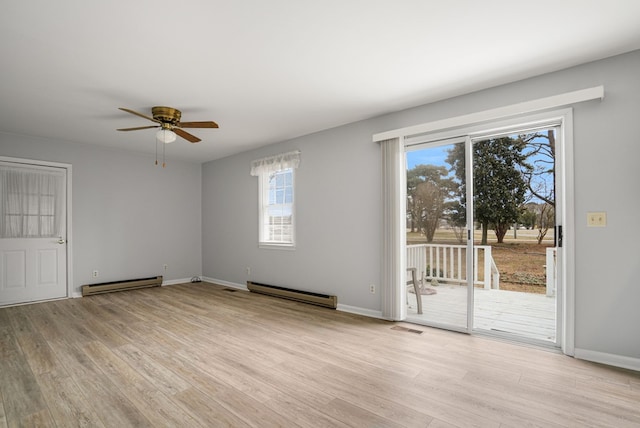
pixel 528 315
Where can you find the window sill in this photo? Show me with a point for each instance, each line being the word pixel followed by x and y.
pixel 272 246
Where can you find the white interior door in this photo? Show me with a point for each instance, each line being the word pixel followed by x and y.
pixel 33 229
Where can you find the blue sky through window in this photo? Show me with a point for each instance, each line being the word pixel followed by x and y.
pixel 280 193
pixel 430 156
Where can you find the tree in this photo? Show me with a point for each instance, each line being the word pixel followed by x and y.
pixel 529 215
pixel 457 208
pixel 539 216
pixel 540 174
pixel 456 216
pixel 540 177
pixel 430 200
pixel 428 188
pixel 415 176
pixel 546 219
pixel 498 185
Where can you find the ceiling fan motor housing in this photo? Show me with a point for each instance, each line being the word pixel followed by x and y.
pixel 166 114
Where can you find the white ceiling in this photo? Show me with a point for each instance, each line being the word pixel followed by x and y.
pixel 268 71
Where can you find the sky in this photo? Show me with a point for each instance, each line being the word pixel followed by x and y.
pixel 431 156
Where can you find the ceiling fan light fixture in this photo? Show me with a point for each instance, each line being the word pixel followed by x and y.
pixel 166 136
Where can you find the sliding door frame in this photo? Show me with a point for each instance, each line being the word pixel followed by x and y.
pixel 558 125
pixel 563 120
pixel 466 141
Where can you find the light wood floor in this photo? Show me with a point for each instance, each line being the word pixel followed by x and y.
pixel 197 355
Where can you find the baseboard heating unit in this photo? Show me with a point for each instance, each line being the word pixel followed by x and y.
pixel 130 284
pixel 301 296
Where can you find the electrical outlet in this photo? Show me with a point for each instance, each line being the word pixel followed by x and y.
pixel 372 288
pixel 95 273
pixel 596 219
pixel 248 271
pixel 165 266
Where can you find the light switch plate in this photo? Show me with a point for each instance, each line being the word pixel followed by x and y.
pixel 596 219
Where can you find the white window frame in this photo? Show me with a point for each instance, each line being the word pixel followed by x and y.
pixel 263 202
pixel 263 169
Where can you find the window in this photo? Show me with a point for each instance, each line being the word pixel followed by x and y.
pixel 30 203
pixel 276 222
pixel 276 199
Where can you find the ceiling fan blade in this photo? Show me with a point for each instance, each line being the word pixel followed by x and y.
pixel 186 135
pixel 139 114
pixel 138 127
pixel 208 124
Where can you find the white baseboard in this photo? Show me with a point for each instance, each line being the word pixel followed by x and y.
pixel 226 283
pixel 609 359
pixel 359 311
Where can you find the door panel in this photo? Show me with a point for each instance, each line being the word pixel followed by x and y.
pixel 32 270
pixel 514 216
pixel 14 270
pixel 47 267
pixel 436 236
pixel 34 257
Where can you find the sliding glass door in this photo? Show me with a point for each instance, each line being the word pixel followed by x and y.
pixel 437 246
pixel 482 233
pixel 514 218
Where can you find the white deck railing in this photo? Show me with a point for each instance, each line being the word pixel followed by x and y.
pixel 550 267
pixel 447 263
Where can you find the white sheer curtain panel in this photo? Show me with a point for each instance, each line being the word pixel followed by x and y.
pixel 31 203
pixel 275 163
pixel 394 177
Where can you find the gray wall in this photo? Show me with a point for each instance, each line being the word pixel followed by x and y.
pixel 130 217
pixel 337 218
pixel 338 204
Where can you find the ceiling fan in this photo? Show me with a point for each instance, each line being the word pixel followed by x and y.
pixel 168 120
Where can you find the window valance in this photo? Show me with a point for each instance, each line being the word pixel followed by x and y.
pixel 275 163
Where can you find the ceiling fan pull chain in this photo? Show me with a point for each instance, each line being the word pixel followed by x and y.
pixel 163 149
pixel 156 151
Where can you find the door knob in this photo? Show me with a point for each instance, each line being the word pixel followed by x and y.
pixel 61 240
